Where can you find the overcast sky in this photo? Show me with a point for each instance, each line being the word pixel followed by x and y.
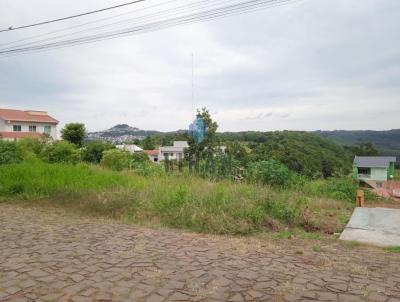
pixel 313 64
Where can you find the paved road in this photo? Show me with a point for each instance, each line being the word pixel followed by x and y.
pixel 47 256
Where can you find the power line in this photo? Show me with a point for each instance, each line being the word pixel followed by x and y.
pixel 188 19
pixel 86 23
pixel 228 10
pixel 71 17
pixel 166 23
pixel 203 4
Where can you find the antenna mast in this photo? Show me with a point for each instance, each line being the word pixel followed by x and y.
pixel 193 85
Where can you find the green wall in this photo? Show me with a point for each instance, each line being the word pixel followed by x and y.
pixel 391 171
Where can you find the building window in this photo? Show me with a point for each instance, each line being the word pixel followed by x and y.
pixel 32 128
pixel 47 129
pixel 17 128
pixel 364 171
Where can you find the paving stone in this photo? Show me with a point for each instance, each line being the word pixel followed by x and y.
pixel 337 287
pixel 236 298
pixel 377 297
pixel 349 298
pixel 155 298
pixel 12 290
pixel 52 297
pixel 326 296
pixel 179 297
pixel 48 257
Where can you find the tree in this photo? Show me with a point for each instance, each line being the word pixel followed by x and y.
pixel 93 151
pixel 237 151
pixel 363 149
pixel 74 133
pixel 206 148
pixel 148 143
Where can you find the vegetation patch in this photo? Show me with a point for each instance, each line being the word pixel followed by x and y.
pixel 392 249
pixel 175 201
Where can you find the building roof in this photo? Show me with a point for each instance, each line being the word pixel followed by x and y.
pixel 26 116
pixel 181 144
pixel 171 149
pixel 152 152
pixel 20 134
pixel 373 161
pixel 130 148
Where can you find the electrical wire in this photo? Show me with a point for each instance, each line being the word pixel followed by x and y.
pixel 228 10
pixel 71 17
pixel 169 12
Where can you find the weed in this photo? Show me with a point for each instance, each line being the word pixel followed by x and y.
pixel 176 201
pixel 317 248
pixel 392 249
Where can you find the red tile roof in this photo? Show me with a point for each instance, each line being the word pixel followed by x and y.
pixel 20 134
pixel 26 116
pixel 151 152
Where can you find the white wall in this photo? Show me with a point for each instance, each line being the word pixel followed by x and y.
pixel 25 127
pixel 379 173
pixel 2 125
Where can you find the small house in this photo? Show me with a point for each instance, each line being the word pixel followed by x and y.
pixel 153 155
pixel 376 168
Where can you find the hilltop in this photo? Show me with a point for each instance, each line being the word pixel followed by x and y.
pixel 387 142
pixel 121 133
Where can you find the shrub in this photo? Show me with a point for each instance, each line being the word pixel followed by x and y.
pixel 93 151
pixel 116 159
pixel 61 152
pixel 269 172
pixel 149 169
pixel 336 188
pixel 140 157
pixel 9 153
pixel 32 147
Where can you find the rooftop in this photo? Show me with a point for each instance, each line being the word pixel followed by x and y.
pixel 20 135
pixel 374 161
pixel 152 152
pixel 26 116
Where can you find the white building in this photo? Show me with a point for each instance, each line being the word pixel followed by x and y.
pixel 17 124
pixel 173 152
pixel 130 148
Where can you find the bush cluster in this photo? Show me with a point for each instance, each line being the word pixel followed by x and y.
pixel 269 172
pixel 94 152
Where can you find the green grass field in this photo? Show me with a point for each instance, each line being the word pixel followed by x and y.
pixel 177 201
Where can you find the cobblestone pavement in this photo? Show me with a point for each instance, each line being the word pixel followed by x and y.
pixel 48 256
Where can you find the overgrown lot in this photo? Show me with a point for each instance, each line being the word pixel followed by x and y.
pixel 180 201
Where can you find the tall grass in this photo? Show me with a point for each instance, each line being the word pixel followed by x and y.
pixel 35 179
pixel 174 201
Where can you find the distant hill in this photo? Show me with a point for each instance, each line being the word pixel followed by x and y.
pixel 121 133
pixel 387 142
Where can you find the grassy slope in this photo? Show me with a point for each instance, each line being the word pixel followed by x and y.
pixel 176 201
